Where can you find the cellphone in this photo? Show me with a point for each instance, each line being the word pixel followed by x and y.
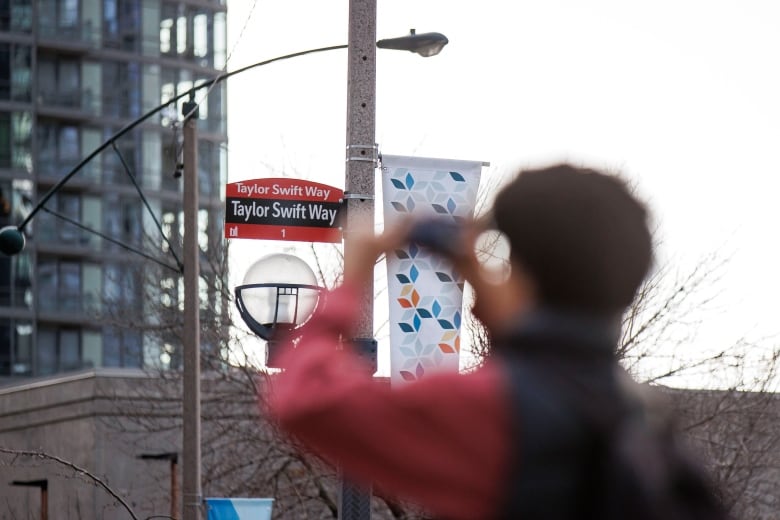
pixel 439 235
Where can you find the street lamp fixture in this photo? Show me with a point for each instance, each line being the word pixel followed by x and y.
pixel 278 294
pixel 425 44
pixel 11 240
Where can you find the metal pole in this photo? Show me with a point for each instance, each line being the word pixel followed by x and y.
pixel 354 502
pixel 174 488
pixel 45 501
pixel 191 491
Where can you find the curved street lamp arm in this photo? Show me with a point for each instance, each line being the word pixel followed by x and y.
pixel 54 189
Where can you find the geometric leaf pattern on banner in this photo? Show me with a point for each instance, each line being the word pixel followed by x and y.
pixel 426 294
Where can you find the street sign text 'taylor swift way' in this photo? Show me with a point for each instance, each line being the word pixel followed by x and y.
pixel 283 209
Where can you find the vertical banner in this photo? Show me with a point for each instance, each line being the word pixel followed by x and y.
pixel 426 295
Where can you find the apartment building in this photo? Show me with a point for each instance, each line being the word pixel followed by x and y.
pixel 72 74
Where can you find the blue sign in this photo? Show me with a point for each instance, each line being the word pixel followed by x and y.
pixel 239 508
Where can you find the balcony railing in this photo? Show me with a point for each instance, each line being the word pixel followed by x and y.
pixel 76 36
pixel 81 100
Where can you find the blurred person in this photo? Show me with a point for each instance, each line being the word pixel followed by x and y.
pixel 534 432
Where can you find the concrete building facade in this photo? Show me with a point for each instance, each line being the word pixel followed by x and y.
pixel 51 429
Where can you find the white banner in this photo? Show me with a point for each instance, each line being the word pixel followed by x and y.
pixel 426 296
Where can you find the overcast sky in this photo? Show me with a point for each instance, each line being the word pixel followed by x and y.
pixel 682 96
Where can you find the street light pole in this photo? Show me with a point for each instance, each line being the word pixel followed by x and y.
pixel 173 458
pixel 354 502
pixel 191 485
pixel 43 485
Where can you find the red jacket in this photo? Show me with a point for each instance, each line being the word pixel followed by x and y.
pixel 443 442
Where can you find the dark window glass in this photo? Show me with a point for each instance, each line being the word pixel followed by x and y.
pixel 112 105
pixel 5 71
pixel 47 16
pixel 68 83
pixel 112 218
pixel 110 21
pixel 58 349
pixel 47 284
pixel 216 113
pixel 59 81
pixel 68 13
pixel 21 15
pixel 121 24
pixel 206 170
pixel 122 348
pixel 5 261
pixel 130 24
pixel 132 222
pixel 59 19
pixel 19 346
pixel 60 285
pixel 68 205
pixel 69 292
pixel 20 73
pixel 21 138
pixel 59 147
pixel 112 348
pixel 47 148
pixel 133 90
pixel 132 355
pixel 46 359
pixel 6 356
pixel 68 146
pixel 5 140
pixel 47 80
pixel 70 349
pixel 5 23
pixel 121 89
pixel 115 169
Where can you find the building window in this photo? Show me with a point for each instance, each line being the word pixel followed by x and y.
pixel 51 228
pixel 60 147
pixel 59 349
pixel 16 357
pixel 115 169
pixel 122 24
pixel 122 220
pixel 110 22
pixel 16 16
pixel 68 286
pixel 200 36
pixel 60 19
pixel 59 81
pixel 122 288
pixel 15 138
pixel 122 89
pixel 68 13
pixel 59 286
pixel 220 40
pixel 14 72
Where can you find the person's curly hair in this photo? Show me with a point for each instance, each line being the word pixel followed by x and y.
pixel 580 234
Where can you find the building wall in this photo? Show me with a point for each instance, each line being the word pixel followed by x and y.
pixel 74 417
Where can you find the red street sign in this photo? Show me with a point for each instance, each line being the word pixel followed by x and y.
pixel 283 209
